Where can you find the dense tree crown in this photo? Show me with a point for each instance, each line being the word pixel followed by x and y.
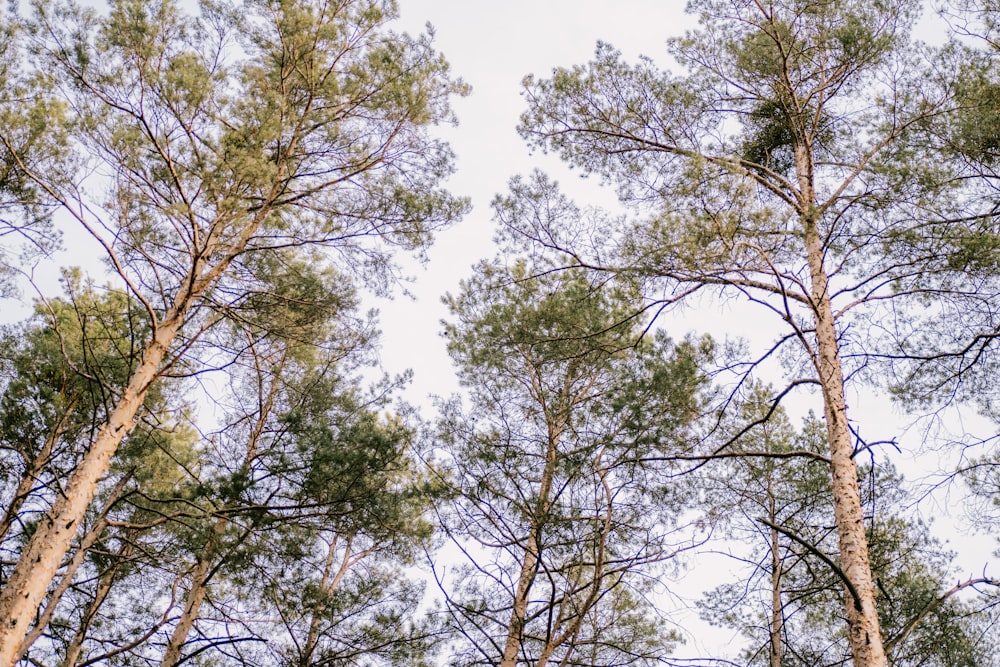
pixel 201 463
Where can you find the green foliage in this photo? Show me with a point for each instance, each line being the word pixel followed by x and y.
pixel 244 168
pixel 976 130
pixel 61 371
pixel 34 133
pixel 556 507
pixel 807 159
pixel 277 125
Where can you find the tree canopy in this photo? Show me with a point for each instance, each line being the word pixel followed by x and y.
pixel 202 461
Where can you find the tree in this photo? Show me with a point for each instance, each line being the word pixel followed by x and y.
pixel 34 132
pixel 302 505
pixel 790 167
pixel 314 526
pixel 949 352
pixel 561 520
pixel 769 489
pixel 224 137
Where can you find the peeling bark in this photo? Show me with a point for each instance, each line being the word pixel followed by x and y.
pixel 90 538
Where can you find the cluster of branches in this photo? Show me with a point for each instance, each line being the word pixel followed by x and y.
pixel 254 540
pixel 814 162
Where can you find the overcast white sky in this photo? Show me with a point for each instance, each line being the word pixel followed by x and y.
pixel 492 46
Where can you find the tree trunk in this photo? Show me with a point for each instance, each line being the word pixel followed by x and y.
pixel 89 540
pixel 529 563
pixel 192 605
pixel 43 554
pixel 599 572
pixel 104 584
pixel 515 627
pixel 33 469
pixel 202 572
pixel 864 633
pixel 328 584
pixel 777 613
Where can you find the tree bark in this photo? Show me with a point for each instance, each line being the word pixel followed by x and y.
pixel 192 605
pixel 104 585
pixel 203 568
pixel 530 560
pixel 515 627
pixel 328 584
pixel 594 594
pixel 89 540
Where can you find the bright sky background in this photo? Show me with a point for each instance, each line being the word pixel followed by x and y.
pixel 492 46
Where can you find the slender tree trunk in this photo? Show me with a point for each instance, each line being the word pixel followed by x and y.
pixel 33 470
pixel 515 627
pixel 546 654
pixel 192 605
pixel 864 632
pixel 43 554
pixel 530 560
pixel 777 613
pixel 599 572
pixel 203 567
pixel 328 584
pixel 312 638
pixel 208 562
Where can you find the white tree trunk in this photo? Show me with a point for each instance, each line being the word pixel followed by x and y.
pixel 777 610
pixel 864 633
pixel 69 574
